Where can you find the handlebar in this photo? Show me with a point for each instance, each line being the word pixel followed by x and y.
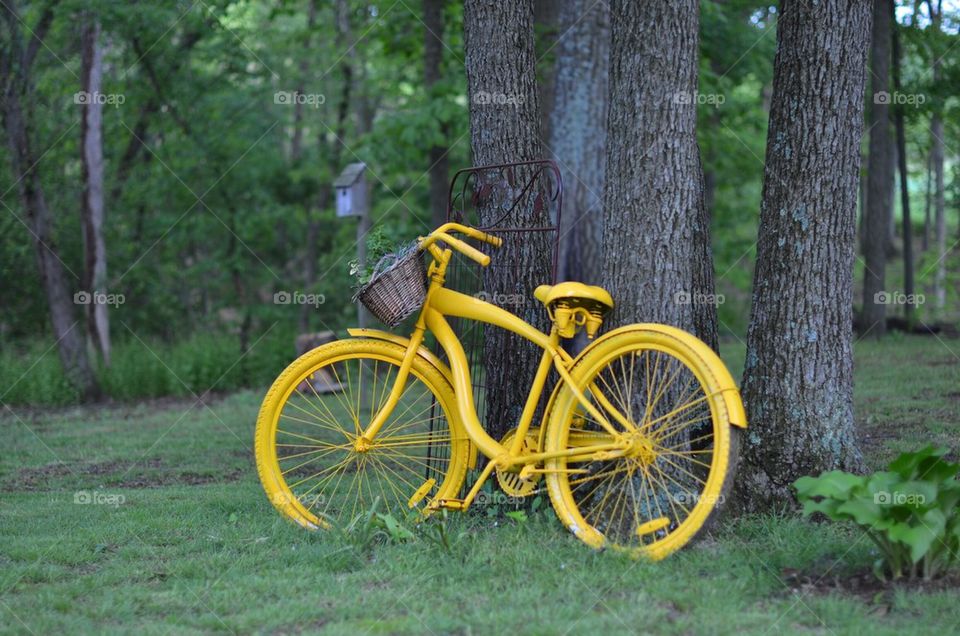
pixel 443 232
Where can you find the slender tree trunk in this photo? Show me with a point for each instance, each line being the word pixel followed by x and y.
pixel 798 375
pixel 928 199
pixel 296 155
pixel 16 59
pixel 908 287
pixel 939 215
pixel 862 209
pixel 578 133
pixel 505 127
pixel 432 72
pixel 879 178
pixel 92 210
pixel 657 261
pixel 936 157
pixel 548 34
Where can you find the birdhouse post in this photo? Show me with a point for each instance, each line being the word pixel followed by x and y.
pixel 353 194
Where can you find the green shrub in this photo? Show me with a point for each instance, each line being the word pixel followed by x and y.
pixel 148 368
pixel 910 511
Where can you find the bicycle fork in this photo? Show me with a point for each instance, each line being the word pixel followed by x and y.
pixel 365 440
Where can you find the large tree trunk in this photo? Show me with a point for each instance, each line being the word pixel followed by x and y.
pixel 879 178
pixel 92 209
pixel 16 59
pixel 432 71
pixel 505 127
pixel 577 134
pixel 798 376
pixel 657 261
pixel 908 288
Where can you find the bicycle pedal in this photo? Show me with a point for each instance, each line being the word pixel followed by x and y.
pixel 421 492
pixel 447 504
pixel 652 526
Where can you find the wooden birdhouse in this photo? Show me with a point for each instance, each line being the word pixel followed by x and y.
pixel 351 191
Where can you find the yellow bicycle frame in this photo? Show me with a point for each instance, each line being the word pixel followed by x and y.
pixel 441 302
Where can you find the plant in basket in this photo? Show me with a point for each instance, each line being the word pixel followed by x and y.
pixel 393 283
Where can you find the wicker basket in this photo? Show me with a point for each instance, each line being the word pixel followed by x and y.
pixel 397 289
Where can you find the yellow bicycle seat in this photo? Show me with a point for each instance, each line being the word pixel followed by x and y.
pixel 548 294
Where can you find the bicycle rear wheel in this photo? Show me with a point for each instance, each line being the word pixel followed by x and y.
pixel 677 474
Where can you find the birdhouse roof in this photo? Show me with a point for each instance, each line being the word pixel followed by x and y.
pixel 350 175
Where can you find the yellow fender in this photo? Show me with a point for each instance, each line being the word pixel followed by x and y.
pixel 730 393
pixel 437 363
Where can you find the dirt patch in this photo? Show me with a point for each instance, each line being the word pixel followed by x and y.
pixel 862 584
pixel 873 439
pixel 186 478
pixel 148 473
pixel 942 362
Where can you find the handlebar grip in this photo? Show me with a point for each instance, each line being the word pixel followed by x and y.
pixel 471 252
pixel 482 236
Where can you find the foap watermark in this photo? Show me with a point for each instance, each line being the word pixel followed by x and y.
pixel 900 99
pixel 298 298
pixel 696 497
pixel 97 498
pixel 709 99
pixel 501 300
pixel 698 298
pixel 496 499
pixel 497 99
pixel 898 298
pixel 109 99
pixel 307 500
pixel 98 298
pixel 896 498
pixel 314 100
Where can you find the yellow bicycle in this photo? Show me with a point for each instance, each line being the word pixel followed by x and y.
pixel 637 445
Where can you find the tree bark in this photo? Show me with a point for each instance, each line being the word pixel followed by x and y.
pixel 578 133
pixel 908 287
pixel 657 260
pixel 879 178
pixel 432 71
pixel 16 59
pixel 798 375
pixel 92 209
pixel 505 127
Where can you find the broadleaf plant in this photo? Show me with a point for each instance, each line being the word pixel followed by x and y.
pixel 911 511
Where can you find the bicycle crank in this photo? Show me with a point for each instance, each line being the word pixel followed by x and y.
pixel 511 482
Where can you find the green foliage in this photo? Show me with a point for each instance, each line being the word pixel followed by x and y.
pixel 149 368
pixel 382 251
pixel 910 511
pixel 437 529
pixel 212 213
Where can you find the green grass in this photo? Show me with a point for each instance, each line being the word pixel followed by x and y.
pixel 31 374
pixel 194 547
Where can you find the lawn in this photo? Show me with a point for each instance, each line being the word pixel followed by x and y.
pixel 179 538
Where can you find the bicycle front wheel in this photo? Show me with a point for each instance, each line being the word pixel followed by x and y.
pixel 313 414
pixel 655 497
